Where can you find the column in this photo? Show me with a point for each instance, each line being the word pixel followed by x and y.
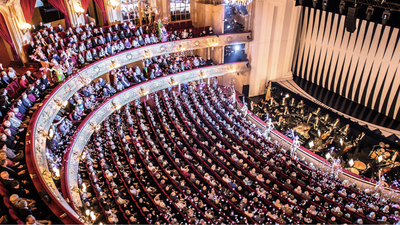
pixel 75 12
pixel 274 40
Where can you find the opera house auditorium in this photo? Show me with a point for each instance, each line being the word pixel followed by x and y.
pixel 199 112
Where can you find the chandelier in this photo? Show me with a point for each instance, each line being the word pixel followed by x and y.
pixel 238 2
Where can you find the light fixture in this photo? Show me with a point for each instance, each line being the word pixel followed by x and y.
pixel 147 54
pixel 43 133
pixel 142 92
pixel 287 96
pixel 113 3
pixel 342 6
pixel 315 3
pixel 369 12
pixel 56 174
pixel 172 82
pixel 385 17
pixel 351 162
pixel 95 127
pixel 115 106
pixel 201 75
pixel 25 27
pixel 79 10
pixel 324 5
pixel 237 47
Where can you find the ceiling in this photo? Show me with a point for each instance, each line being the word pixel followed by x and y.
pixel 333 6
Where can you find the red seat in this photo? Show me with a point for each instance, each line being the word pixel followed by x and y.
pixel 183 25
pixel 176 26
pixel 189 24
pixel 14 215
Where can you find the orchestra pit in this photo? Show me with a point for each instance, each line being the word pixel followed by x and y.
pixel 199 112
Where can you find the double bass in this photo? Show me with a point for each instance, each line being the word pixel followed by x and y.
pixel 389 168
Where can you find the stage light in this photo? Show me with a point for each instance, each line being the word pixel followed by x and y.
pixel 315 3
pixel 351 162
pixel 237 47
pixel 324 4
pixel 342 6
pixel 369 12
pixel 385 17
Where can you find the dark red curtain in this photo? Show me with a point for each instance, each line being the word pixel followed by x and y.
pixel 100 3
pixel 28 6
pixel 60 6
pixel 5 34
pixel 85 5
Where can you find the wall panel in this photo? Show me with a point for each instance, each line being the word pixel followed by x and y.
pixel 362 66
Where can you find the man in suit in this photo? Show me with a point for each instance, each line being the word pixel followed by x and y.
pixel 40 26
pixel 109 38
pixel 125 26
pixel 60 28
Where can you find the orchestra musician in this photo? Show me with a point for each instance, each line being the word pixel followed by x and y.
pixel 309 118
pixel 283 102
pixel 325 119
pixel 345 130
pixel 359 138
pixel 316 124
pixel 286 112
pixel 317 112
pixel 335 125
pixel 301 104
pixel 272 102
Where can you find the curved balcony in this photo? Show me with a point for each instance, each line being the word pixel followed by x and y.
pixel 43 117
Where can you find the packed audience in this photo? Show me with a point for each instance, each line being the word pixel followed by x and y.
pixel 67 51
pixel 19 95
pixel 193 157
